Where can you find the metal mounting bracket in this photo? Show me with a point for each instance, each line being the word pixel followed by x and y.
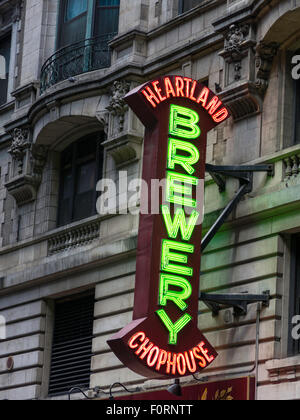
pixel 237 301
pixel 245 175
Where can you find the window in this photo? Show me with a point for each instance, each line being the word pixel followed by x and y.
pixel 72 344
pixel 185 5
pixel 84 19
pixel 81 168
pixel 4 67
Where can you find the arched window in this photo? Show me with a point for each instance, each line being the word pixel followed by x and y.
pixel 81 168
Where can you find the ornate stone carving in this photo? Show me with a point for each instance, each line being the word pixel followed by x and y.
pixel 234 39
pixel 263 64
pixel 117 105
pixel 20 142
pixel 103 118
pixel 28 161
pixel 38 158
pixel 247 67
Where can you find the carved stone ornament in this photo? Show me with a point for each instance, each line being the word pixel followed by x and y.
pixel 234 39
pixel 117 105
pixel 263 64
pixel 247 67
pixel 28 161
pixel 103 118
pixel 20 143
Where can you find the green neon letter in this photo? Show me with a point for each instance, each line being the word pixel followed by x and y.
pixel 179 222
pixel 183 122
pixel 167 256
pixel 183 190
pixel 185 161
pixel 173 328
pixel 178 297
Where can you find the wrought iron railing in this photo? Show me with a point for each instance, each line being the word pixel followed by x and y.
pixel 81 57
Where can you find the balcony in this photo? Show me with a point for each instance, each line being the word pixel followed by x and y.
pixel 81 57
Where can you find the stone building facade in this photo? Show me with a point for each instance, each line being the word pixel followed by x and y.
pixel 67 67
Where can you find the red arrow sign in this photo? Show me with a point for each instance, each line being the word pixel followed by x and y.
pixel 163 338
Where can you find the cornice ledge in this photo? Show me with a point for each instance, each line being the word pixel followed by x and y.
pixel 244 13
pixel 248 11
pixel 128 36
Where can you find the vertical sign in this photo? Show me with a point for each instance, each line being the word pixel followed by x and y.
pixel 163 339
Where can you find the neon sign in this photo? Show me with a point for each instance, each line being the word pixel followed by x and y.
pixel 163 339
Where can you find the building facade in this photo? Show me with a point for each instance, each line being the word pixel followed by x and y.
pixel 67 260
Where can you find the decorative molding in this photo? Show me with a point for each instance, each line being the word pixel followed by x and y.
pixel 125 149
pixel 103 118
pixel 263 64
pixel 291 166
pixel 283 369
pixel 247 69
pixel 74 237
pixel 20 143
pixel 242 100
pixel 117 106
pixel 124 139
pixel 28 161
pixel 234 39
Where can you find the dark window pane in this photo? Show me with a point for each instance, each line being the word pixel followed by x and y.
pixel 4 70
pixel 185 5
pixel 86 148
pixel 84 205
pixel 86 177
pixel 73 31
pixel 75 8
pixel 107 17
pixel 67 184
pixel 108 3
pixel 81 166
pixel 73 18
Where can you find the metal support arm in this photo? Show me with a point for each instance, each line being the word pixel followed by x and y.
pixel 245 175
pixel 238 301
